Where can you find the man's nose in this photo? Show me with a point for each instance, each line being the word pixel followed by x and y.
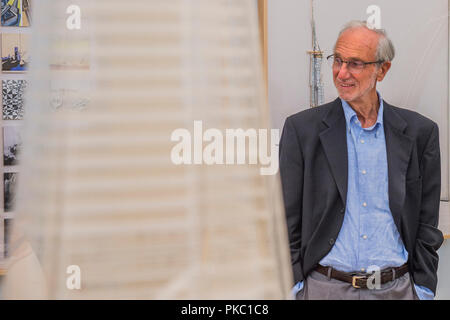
pixel 343 72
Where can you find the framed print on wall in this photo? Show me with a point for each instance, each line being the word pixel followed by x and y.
pixel 14 52
pixel 16 13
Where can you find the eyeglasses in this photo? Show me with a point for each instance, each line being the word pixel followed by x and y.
pixel 353 66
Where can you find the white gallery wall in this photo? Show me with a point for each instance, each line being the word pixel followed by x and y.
pixel 418 79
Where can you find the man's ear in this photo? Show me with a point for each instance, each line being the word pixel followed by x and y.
pixel 383 70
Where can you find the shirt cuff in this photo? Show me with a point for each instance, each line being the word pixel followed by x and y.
pixel 424 293
pixel 296 289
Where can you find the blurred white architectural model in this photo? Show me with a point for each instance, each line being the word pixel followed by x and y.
pixel 98 189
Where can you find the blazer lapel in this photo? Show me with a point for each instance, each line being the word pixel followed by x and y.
pixel 398 151
pixel 334 142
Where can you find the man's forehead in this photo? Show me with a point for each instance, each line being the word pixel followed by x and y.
pixel 357 43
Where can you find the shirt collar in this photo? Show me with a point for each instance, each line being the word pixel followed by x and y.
pixel 350 113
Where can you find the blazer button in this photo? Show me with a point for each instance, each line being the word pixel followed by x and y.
pixel 331 242
pixel 343 210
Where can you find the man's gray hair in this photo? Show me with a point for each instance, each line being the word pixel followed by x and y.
pixel 385 48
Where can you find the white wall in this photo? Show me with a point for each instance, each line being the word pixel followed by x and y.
pixel 418 78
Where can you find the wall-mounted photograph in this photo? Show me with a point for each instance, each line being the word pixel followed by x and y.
pixel 16 13
pixel 13 94
pixel 12 143
pixel 7 223
pixel 14 52
pixel 9 182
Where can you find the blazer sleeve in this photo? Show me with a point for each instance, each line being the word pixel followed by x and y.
pixel 291 172
pixel 429 238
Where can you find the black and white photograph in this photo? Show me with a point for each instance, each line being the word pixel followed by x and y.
pixel 9 180
pixel 13 94
pixel 12 143
pixel 7 223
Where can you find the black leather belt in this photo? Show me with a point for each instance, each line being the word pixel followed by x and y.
pixel 359 280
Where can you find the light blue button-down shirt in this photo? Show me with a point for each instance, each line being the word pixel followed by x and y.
pixel 369 236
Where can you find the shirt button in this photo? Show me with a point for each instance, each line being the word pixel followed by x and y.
pixel 363 270
pixel 362 140
pixel 364 237
pixel 364 172
pixel 331 242
pixel 364 204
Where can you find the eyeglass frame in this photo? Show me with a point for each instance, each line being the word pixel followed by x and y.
pixel 347 62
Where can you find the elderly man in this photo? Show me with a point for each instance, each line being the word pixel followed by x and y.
pixel 361 185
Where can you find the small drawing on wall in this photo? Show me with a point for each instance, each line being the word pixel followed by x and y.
pixel 7 235
pixel 69 51
pixel 10 182
pixel 70 95
pixel 12 143
pixel 13 97
pixel 14 52
pixel 16 13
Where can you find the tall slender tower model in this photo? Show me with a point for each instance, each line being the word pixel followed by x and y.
pixel 315 77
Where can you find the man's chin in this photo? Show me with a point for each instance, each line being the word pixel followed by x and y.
pixel 346 96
